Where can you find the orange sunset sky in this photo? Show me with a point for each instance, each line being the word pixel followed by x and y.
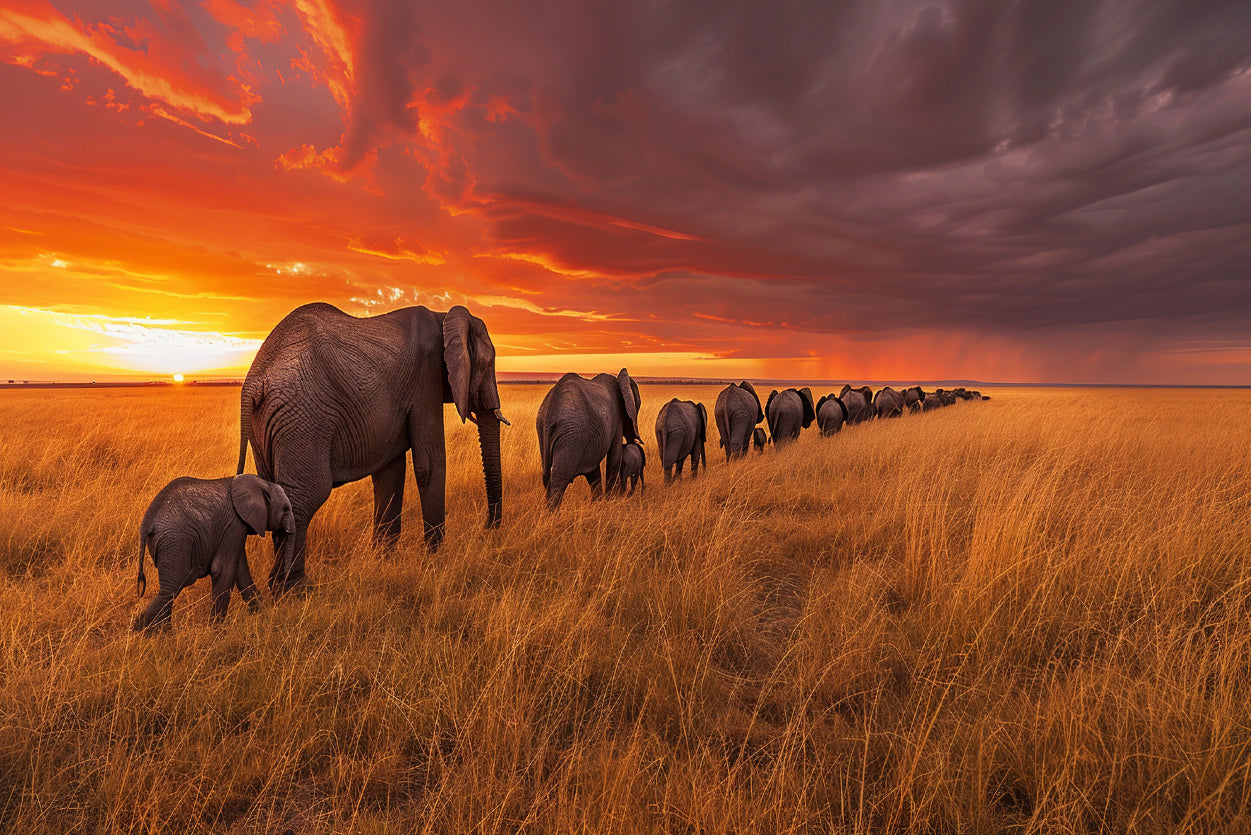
pixel 1032 191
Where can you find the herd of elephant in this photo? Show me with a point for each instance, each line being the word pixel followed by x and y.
pixel 583 423
pixel 332 398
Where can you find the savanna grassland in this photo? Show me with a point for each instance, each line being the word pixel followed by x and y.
pixel 1030 614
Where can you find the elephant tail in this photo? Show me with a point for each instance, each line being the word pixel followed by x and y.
pixel 141 582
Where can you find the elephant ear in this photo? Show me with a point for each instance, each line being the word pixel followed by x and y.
pixel 746 386
pixel 810 414
pixel 769 402
pixel 628 393
pixel 248 495
pixel 703 422
pixel 821 402
pixel 842 406
pixel 469 356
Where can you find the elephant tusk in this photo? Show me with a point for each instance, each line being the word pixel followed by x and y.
pixel 500 417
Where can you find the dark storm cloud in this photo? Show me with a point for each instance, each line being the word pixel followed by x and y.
pixel 990 164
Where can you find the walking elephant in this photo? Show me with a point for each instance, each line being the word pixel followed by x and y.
pixel 582 422
pixel 831 414
pixel 681 430
pixel 737 412
pixel 633 461
pixel 759 438
pixel 859 403
pixel 332 398
pixel 788 412
pixel 888 403
pixel 914 398
pixel 198 528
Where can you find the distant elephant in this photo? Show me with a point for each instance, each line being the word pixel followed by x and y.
pixel 198 528
pixel 582 422
pixel 331 399
pixel 888 402
pixel 831 414
pixel 859 403
pixel 788 412
pixel 633 460
pixel 759 438
pixel 737 412
pixel 914 398
pixel 681 429
pixel 939 399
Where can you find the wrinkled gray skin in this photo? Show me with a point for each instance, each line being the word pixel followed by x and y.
pixel 831 414
pixel 859 403
pixel 331 399
pixel 681 430
pixel 582 422
pixel 914 398
pixel 737 412
pixel 633 460
pixel 759 438
pixel 198 528
pixel 888 403
pixel 788 412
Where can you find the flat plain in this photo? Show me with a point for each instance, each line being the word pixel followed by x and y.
pixel 1029 614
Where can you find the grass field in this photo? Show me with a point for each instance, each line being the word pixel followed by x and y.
pixel 1030 614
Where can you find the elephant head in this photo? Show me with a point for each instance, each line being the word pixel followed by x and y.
pixel 263 506
pixel 469 356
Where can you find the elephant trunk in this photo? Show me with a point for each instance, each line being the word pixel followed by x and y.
pixel 284 552
pixel 489 441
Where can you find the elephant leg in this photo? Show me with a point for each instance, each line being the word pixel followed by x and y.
pixel 597 486
pixel 430 472
pixel 224 580
pixel 681 462
pixel 306 499
pixel 556 490
pixel 634 480
pixel 388 502
pixel 247 588
pixel 612 471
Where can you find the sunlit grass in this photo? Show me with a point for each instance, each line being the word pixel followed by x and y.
pixel 1029 614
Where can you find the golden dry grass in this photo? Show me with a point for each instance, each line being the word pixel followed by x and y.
pixel 1031 614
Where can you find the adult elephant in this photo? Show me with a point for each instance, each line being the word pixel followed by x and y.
pixel 914 398
pixel 737 412
pixel 859 403
pixel 788 412
pixel 331 399
pixel 888 402
pixel 681 430
pixel 582 422
pixel 831 414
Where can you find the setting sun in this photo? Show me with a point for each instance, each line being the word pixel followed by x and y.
pixel 177 378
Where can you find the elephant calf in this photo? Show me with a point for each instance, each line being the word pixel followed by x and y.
pixel 198 528
pixel 633 460
pixel 759 438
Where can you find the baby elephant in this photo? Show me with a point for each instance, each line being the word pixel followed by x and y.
pixel 198 528
pixel 759 439
pixel 632 462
